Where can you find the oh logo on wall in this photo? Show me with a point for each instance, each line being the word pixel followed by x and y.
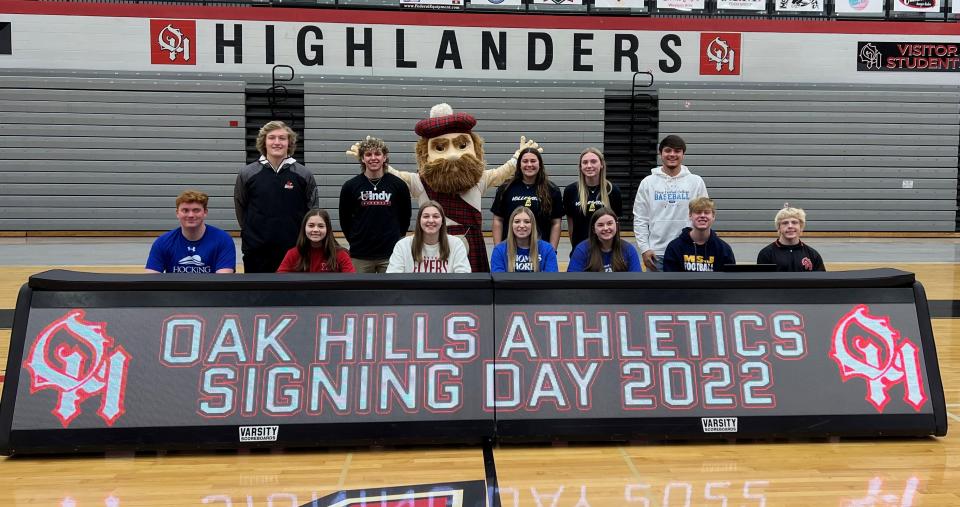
pixel 173 42
pixel 720 54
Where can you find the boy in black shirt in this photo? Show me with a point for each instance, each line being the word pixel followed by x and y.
pixel 788 252
pixel 374 209
pixel 270 198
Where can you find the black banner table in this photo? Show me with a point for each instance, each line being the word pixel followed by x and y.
pixel 103 362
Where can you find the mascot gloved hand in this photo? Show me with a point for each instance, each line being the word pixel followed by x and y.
pixel 524 144
pixel 452 171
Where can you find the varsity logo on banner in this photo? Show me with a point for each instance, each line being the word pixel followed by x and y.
pixel 868 347
pixel 173 42
pixel 74 358
pixel 720 54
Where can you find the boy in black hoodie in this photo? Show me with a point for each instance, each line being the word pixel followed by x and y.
pixel 698 248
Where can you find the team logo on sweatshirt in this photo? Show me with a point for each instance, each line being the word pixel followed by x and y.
pixel 524 265
pixel 191 264
pixel 372 198
pixel 671 196
pixel 698 262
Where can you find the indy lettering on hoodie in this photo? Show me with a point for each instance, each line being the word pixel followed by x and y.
pixel 372 198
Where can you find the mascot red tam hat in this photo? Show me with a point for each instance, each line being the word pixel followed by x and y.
pixel 452 171
pixel 443 120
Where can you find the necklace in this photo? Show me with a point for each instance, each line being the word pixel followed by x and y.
pixel 375 182
pixel 593 193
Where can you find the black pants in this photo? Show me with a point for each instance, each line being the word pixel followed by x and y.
pixel 265 259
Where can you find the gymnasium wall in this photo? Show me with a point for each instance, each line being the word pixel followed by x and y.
pixel 854 159
pixel 101 125
pixel 111 154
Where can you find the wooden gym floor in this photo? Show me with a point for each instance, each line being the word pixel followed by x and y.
pixel 844 472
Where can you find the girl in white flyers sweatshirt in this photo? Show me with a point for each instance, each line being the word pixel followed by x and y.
pixel 430 249
pixel 660 208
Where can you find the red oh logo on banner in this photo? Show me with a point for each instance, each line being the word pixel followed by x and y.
pixel 74 358
pixel 867 346
pixel 720 54
pixel 173 41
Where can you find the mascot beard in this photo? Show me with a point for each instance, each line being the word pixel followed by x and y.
pixel 453 176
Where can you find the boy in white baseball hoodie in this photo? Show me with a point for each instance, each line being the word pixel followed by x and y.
pixel 660 208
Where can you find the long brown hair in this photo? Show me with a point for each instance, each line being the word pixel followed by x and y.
pixel 605 186
pixel 617 262
pixel 541 183
pixel 328 244
pixel 512 241
pixel 416 247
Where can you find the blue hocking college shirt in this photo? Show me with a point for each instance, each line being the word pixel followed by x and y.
pixel 173 253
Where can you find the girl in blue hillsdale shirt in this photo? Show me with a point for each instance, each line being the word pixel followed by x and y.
pixel 604 250
pixel 523 251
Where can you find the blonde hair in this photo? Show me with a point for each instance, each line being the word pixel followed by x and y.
pixel 193 196
pixel 270 127
pixel 789 212
pixel 512 241
pixel 702 204
pixel 605 186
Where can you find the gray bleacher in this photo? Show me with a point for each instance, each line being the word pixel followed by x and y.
pixel 855 159
pixel 83 153
pixel 564 120
pixel 112 154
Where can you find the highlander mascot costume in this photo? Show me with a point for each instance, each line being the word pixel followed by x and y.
pixel 452 172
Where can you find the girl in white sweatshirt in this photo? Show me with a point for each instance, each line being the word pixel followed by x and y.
pixel 430 249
